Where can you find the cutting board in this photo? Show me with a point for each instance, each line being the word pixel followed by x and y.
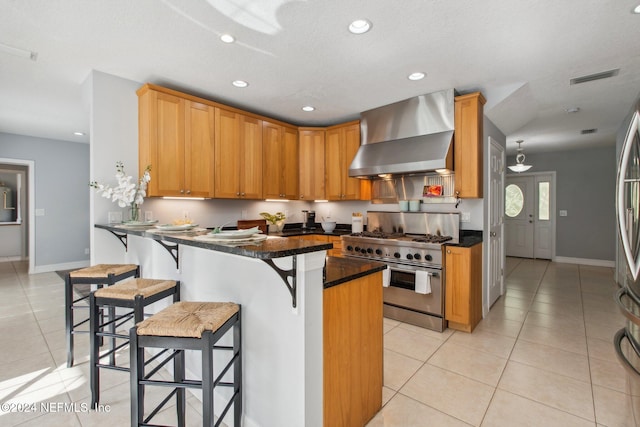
pixel 249 223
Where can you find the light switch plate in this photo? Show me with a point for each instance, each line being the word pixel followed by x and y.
pixel 465 217
pixel 563 212
pixel 39 212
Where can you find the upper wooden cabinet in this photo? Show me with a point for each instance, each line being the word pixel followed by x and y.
pixel 238 156
pixel 468 145
pixel 280 161
pixel 311 163
pixel 176 138
pixel 463 286
pixel 341 145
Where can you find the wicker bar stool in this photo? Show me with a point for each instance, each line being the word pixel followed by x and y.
pixel 99 275
pixel 187 326
pixel 133 294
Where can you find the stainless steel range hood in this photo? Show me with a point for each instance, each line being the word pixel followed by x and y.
pixel 410 136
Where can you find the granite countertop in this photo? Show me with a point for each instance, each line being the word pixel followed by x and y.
pixel 273 247
pixel 340 270
pixel 468 238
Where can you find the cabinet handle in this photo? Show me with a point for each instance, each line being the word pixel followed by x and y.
pixel 448 251
pixel 188 191
pixel 181 191
pixel 241 194
pixel 238 194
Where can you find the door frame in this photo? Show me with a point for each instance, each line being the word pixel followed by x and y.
pixel 31 202
pixel 552 203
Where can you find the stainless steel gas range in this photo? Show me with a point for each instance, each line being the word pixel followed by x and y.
pixel 410 243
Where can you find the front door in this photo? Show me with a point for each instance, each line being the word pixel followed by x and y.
pixel 529 215
pixel 496 222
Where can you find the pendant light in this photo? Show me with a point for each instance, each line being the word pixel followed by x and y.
pixel 520 166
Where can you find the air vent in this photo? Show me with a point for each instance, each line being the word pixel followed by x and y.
pixel 592 77
pixel 588 131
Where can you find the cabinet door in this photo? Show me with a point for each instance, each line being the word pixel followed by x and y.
pixel 290 183
pixel 273 146
pixel 251 158
pixel 227 154
pixel 468 143
pixel 311 164
pixel 463 287
pixel 168 134
pixel 199 141
pixel 333 164
pixel 351 144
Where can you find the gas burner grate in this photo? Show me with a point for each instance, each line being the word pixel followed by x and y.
pixel 432 238
pixel 378 235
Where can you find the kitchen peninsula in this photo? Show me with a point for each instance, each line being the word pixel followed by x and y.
pixel 312 325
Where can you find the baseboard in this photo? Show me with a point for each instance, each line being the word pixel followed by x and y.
pixel 12 258
pixel 56 267
pixel 585 261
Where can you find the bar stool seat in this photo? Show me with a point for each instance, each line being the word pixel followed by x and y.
pixel 188 325
pixel 132 294
pixel 100 275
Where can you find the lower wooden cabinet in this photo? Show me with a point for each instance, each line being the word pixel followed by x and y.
pixel 463 286
pixel 335 240
pixel 352 341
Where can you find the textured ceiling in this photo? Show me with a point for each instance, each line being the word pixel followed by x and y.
pixel 521 54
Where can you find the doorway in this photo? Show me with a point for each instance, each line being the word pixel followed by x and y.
pixel 496 223
pixel 530 215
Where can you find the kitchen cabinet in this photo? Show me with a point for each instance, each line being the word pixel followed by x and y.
pixel 335 240
pixel 468 145
pixel 176 138
pixel 463 286
pixel 280 161
pixel 352 338
pixel 238 155
pixel 311 163
pixel 341 145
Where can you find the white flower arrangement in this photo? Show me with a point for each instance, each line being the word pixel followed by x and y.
pixel 126 193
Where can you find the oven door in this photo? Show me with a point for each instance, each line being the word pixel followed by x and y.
pixel 401 291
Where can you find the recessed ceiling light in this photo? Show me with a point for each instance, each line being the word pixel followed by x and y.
pixel 416 76
pixel 227 38
pixel 240 83
pixel 572 109
pixel 360 26
pixel 308 108
pixel 636 9
pixel 79 133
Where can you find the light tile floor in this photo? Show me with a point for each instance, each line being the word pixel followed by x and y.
pixel 542 357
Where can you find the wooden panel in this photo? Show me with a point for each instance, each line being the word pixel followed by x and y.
pixel 199 141
pixel 311 164
pixel 227 165
pixel 243 224
pixel 463 287
pixel 169 167
pixel 333 166
pixel 468 145
pixel 273 167
pixel 251 158
pixel 352 330
pixel 351 144
pixel 290 184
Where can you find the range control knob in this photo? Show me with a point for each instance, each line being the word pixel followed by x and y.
pixel 378 252
pixel 363 250
pixel 409 256
pixel 416 256
pixel 357 249
pixel 349 248
pixel 396 255
pixel 369 250
pixel 428 257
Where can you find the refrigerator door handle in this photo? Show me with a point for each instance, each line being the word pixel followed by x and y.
pixel 624 292
pixel 617 344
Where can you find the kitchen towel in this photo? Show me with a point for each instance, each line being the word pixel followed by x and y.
pixel 423 282
pixel 386 277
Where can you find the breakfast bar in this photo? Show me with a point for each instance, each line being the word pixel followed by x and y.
pixel 289 321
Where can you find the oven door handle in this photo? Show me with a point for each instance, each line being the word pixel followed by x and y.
pixel 430 273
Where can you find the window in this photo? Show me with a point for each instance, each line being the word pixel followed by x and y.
pixel 543 201
pixel 513 201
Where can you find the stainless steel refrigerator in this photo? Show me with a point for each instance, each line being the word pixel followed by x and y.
pixel 627 339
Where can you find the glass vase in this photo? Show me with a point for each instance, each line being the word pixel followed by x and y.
pixel 134 213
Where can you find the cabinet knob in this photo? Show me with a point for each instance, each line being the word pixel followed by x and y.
pixel 188 191
pixel 181 191
pixel 238 194
pixel 448 251
pixel 242 194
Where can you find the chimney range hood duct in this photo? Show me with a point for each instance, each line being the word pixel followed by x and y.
pixel 407 137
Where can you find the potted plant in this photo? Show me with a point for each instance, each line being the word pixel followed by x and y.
pixel 276 221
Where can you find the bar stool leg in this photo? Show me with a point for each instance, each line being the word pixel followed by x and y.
pixel 179 377
pixel 68 303
pixel 207 378
pixel 136 374
pixel 94 351
pixel 237 372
